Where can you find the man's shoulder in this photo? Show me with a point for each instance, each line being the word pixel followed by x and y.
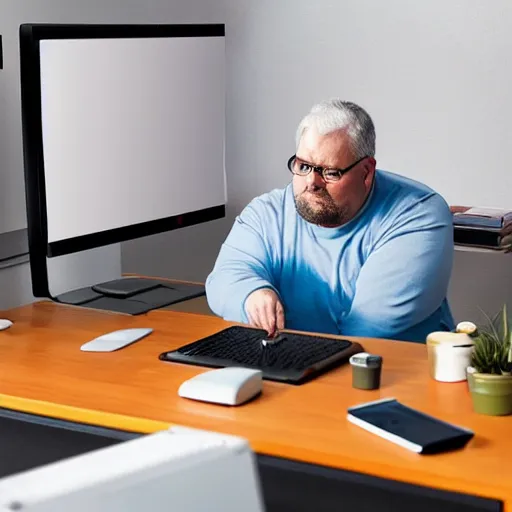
pixel 405 195
pixel 274 196
pixel 267 209
pixel 403 206
pixel 272 201
pixel 391 181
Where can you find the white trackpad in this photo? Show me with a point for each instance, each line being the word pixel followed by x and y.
pixel 115 340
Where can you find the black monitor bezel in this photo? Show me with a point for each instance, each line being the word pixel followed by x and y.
pixel 30 35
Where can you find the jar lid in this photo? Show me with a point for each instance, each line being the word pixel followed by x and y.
pixel 366 360
pixel 449 339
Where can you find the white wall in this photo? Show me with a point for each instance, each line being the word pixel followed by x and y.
pixel 480 281
pixel 15 286
pixel 285 55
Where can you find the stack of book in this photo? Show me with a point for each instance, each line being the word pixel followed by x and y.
pixel 490 228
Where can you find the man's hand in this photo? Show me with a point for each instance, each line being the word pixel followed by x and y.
pixel 265 311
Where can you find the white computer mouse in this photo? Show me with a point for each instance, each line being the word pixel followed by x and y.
pixel 4 324
pixel 227 386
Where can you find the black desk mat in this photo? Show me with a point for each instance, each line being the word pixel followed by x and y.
pixel 295 359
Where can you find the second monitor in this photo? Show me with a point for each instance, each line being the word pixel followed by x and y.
pixel 123 132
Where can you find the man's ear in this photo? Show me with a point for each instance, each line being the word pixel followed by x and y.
pixel 369 168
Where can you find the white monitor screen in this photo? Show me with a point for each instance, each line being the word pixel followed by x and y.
pixel 133 130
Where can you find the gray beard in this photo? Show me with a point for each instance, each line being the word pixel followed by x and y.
pixel 327 215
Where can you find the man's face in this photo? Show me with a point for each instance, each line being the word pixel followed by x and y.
pixel 331 204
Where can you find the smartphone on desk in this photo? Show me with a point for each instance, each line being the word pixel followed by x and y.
pixel 408 427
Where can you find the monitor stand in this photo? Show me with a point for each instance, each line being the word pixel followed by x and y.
pixel 132 295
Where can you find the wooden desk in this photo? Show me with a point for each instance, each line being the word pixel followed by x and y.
pixel 43 371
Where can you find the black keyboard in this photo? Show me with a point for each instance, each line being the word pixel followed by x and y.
pixel 295 358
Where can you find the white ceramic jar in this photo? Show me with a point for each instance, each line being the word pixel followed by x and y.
pixel 449 355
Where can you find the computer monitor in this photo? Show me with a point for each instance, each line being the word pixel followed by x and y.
pixel 181 469
pixel 123 135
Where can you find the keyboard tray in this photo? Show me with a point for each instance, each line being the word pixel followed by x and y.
pixel 295 359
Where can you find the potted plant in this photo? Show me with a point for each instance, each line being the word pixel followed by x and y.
pixel 490 373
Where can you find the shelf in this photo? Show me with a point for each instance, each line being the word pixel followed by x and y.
pixel 465 248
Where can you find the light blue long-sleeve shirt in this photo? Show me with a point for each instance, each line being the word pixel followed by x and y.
pixel 383 274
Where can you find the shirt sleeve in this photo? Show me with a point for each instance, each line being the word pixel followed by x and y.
pixel 405 278
pixel 243 266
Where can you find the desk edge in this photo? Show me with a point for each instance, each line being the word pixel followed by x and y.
pixel 87 416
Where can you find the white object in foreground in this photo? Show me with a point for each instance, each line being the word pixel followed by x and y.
pixel 183 470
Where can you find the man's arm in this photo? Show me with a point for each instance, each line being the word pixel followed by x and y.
pixel 405 278
pixel 242 267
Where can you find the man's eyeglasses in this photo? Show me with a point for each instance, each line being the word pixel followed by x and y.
pixel 302 168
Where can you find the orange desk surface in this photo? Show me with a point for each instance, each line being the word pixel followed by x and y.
pixel 43 371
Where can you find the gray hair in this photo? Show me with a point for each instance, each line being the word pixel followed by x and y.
pixel 332 115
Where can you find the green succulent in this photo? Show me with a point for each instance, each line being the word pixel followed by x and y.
pixel 493 346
